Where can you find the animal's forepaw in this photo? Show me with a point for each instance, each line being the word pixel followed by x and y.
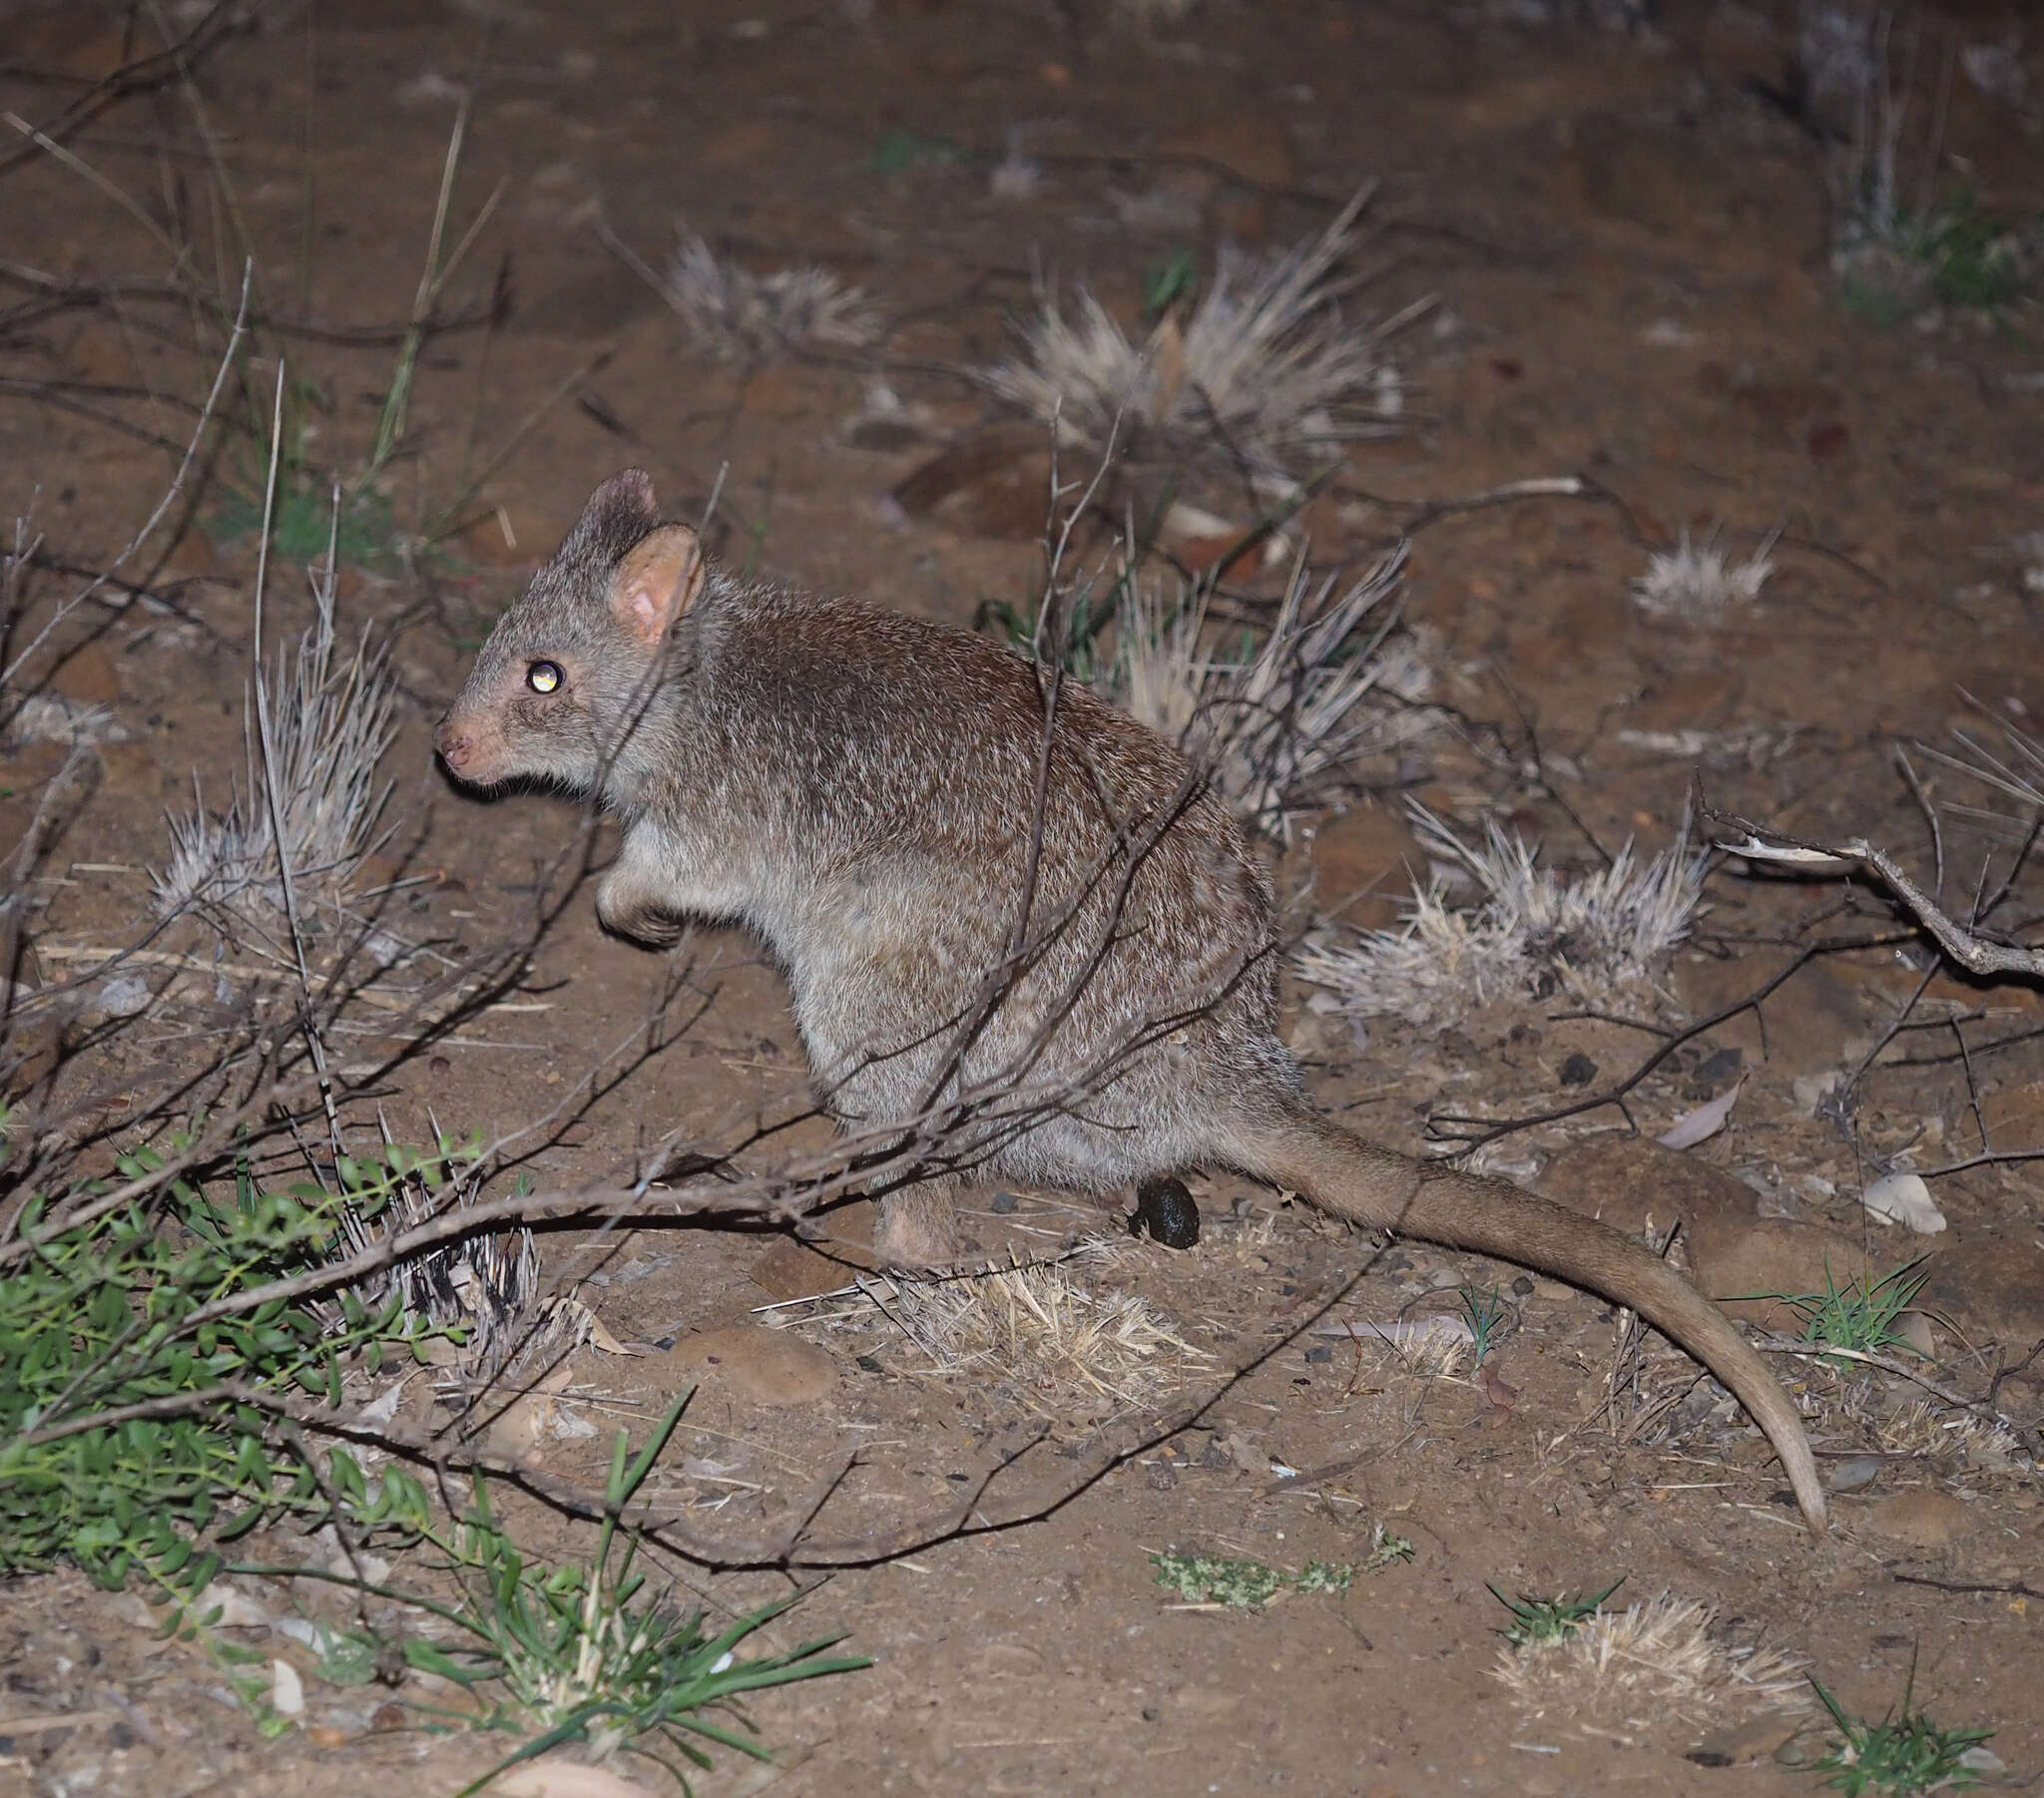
pixel 642 922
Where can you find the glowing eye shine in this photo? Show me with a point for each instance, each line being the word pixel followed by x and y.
pixel 543 676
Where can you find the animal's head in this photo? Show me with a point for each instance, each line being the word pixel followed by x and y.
pixel 568 673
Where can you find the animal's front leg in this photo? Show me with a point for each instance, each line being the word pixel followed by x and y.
pixel 637 898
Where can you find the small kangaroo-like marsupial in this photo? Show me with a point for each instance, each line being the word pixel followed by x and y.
pixel 988 891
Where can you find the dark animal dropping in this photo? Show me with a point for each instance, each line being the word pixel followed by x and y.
pixel 1167 1212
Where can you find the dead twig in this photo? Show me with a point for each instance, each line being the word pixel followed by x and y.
pixel 145 74
pixel 1971 949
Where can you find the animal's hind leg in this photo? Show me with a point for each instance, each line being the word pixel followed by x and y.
pixel 918 1228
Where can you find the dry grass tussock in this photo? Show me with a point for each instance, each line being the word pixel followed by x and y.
pixel 738 317
pixel 1265 366
pixel 333 720
pixel 1935 1431
pixel 486 1286
pixel 1274 726
pixel 1699 580
pixel 1532 933
pixel 1039 1332
pixel 1639 1667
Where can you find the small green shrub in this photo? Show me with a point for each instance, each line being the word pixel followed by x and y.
pixel 1549 1619
pixel 1899 1755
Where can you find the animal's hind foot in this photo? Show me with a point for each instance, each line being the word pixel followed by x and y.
pixel 917 1232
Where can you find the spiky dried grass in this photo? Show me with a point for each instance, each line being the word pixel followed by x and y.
pixel 1038 1331
pixel 47 717
pixel 1637 1668
pixel 335 721
pixel 1699 580
pixel 1599 937
pixel 485 1287
pixel 1430 1347
pixel 1276 727
pixel 1266 367
pixel 1935 1431
pixel 738 317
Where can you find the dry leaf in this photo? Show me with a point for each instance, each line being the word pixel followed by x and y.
pixel 1703 1123
pixel 1903 1198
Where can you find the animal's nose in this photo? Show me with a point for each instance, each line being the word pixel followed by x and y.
pixel 453 745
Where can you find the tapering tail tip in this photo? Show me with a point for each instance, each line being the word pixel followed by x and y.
pixel 1800 1465
pixel 1355 1179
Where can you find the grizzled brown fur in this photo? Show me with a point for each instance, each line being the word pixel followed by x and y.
pixel 1059 921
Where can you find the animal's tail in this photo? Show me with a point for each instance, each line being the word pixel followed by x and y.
pixel 1343 1174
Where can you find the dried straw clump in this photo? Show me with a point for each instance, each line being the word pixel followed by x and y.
pixel 1061 1348
pixel 1699 580
pixel 1638 1667
pixel 45 717
pixel 1933 1431
pixel 1266 367
pixel 738 317
pixel 1599 937
pixel 333 721
pixel 1274 728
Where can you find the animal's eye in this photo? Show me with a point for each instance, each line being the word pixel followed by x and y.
pixel 544 676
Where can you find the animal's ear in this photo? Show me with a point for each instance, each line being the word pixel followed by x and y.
pixel 623 506
pixel 657 581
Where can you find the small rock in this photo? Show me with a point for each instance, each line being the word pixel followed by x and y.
pixel 1578 1071
pixel 235 1608
pixel 1763 1735
pixel 1004 1205
pixel 1923 1520
pixel 287 1689
pixel 1852 1474
pixel 124 996
pixel 1717 1067
pixel 770 1367
pixel 555 1777
pixel 1903 1198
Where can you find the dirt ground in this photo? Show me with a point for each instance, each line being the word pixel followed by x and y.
pixel 1625 240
